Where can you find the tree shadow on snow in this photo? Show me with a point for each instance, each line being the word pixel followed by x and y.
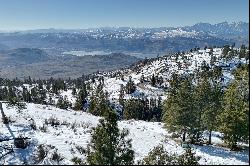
pixel 23 156
pixel 243 156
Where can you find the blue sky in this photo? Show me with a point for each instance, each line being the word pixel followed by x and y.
pixel 70 14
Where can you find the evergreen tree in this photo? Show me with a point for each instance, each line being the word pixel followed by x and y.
pixel 99 101
pixel 26 95
pixel 16 103
pixel 34 95
pixel 179 113
pixel 130 87
pixel 73 91
pixel 225 51
pixel 212 109
pixel 142 78
pixel 242 53
pixel 121 95
pixel 201 95
pixel 62 103
pixel 153 80
pixel 81 98
pixel 188 158
pixel 234 119
pixel 133 109
pixel 159 156
pixel 108 145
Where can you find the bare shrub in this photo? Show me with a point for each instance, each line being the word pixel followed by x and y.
pixel 32 124
pixel 21 142
pixel 43 128
pixel 73 126
pixel 47 151
pixel 77 161
pixel 41 153
pixel 57 157
pixel 81 150
pixel 52 121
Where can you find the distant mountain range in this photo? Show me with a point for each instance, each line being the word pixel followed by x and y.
pixel 49 53
pixel 127 39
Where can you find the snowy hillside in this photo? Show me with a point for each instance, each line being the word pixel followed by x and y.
pixel 64 133
pixel 73 132
pixel 164 67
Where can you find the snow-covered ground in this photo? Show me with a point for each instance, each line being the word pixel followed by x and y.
pixel 74 130
pixel 164 67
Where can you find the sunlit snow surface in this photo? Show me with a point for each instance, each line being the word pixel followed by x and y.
pixel 165 67
pixel 145 136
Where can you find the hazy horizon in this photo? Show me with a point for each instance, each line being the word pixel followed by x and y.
pixel 54 28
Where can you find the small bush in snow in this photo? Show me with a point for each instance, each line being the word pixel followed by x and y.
pixel 175 135
pixel 52 121
pixel 44 128
pixel 48 152
pixel 77 161
pixel 159 156
pixel 6 120
pixel 21 142
pixel 57 157
pixel 65 123
pixel 73 126
pixel 32 124
pixel 81 150
pixel 41 153
pixel 188 158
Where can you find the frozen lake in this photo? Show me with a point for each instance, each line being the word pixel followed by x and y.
pixel 84 53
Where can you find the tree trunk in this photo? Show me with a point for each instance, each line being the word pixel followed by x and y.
pixel 197 136
pixel 4 118
pixel 184 136
pixel 210 138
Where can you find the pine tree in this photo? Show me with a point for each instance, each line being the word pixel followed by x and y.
pixel 153 80
pixel 225 51
pixel 81 98
pixel 179 113
pixel 201 94
pixel 62 103
pixel 73 91
pixel 99 101
pixel 159 156
pixel 108 145
pixel 212 109
pixel 130 87
pixel 121 95
pixel 133 109
pixel 188 158
pixel 242 52
pixel 142 78
pixel 234 119
pixel 34 95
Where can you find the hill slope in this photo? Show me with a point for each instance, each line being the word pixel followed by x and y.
pixel 73 131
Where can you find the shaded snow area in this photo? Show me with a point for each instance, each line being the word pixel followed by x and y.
pixel 74 130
